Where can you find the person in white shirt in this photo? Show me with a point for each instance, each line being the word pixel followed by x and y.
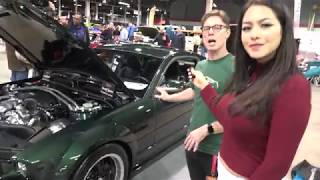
pixel 124 33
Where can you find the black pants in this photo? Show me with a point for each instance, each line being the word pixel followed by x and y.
pixel 195 48
pixel 199 165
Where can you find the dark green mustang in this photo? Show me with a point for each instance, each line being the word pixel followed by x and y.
pixel 85 116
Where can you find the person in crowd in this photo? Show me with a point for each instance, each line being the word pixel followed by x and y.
pixel 204 132
pixel 179 39
pixel 265 109
pixel 131 29
pixel 116 34
pixel 203 49
pixel 64 21
pixel 196 41
pixel 51 9
pixel 79 30
pixel 17 64
pixel 107 33
pixel 170 32
pixel 162 38
pixel 124 33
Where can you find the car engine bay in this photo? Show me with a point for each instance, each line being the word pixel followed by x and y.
pixel 52 102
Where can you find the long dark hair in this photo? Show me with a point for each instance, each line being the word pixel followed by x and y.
pixel 256 100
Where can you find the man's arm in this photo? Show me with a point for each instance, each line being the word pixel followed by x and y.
pixel 184 95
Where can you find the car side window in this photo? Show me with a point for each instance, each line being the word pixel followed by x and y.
pixel 135 71
pixel 175 77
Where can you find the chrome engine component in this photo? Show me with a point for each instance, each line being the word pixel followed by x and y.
pixel 36 106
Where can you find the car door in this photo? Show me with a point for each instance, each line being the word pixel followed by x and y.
pixel 140 122
pixel 172 118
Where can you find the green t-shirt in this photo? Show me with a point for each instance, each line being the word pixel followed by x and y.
pixel 218 73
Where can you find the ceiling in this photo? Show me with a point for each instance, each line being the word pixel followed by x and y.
pixel 163 4
pixel 105 6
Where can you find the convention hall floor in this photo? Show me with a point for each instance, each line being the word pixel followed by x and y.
pixel 173 166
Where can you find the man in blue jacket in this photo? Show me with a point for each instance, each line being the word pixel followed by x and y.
pixel 78 29
pixel 179 39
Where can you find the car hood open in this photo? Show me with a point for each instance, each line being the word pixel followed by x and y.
pixel 46 44
pixel 148 31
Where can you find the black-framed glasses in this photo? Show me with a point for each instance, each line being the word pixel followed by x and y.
pixel 215 28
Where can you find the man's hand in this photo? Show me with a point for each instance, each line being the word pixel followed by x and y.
pixel 195 137
pixel 163 94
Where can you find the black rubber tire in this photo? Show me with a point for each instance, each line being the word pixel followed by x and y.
pixel 109 152
pixel 316 81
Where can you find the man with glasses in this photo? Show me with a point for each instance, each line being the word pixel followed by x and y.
pixel 204 137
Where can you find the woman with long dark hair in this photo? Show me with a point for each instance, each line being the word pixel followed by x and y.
pixel 265 109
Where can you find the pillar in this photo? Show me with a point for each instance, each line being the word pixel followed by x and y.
pixel 97 11
pixel 209 4
pixel 139 13
pixel 87 11
pixel 151 16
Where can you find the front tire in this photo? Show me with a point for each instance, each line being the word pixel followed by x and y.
pixel 316 81
pixel 109 162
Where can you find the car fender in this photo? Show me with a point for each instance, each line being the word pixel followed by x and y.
pixel 84 145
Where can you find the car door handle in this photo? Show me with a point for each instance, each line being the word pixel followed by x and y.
pixel 142 107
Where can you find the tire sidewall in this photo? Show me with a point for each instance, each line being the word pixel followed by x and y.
pixel 96 155
pixel 316 80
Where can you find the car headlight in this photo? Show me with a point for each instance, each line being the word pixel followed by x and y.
pixel 22 169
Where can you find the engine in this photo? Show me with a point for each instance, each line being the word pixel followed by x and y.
pixel 29 108
pixel 32 110
pixel 37 106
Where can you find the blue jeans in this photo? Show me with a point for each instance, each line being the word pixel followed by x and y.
pixel 19 75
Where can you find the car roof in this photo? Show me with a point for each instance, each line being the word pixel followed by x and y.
pixel 144 48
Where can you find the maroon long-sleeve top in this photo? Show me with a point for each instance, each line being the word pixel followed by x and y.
pixel 264 152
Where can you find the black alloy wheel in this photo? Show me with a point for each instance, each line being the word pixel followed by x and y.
pixel 109 162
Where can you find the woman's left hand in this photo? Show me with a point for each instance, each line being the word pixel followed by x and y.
pixel 197 78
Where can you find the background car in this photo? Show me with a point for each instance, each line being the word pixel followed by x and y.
pixel 145 34
pixel 86 117
pixel 311 70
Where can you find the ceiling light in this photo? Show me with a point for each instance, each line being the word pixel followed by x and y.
pixel 123 3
